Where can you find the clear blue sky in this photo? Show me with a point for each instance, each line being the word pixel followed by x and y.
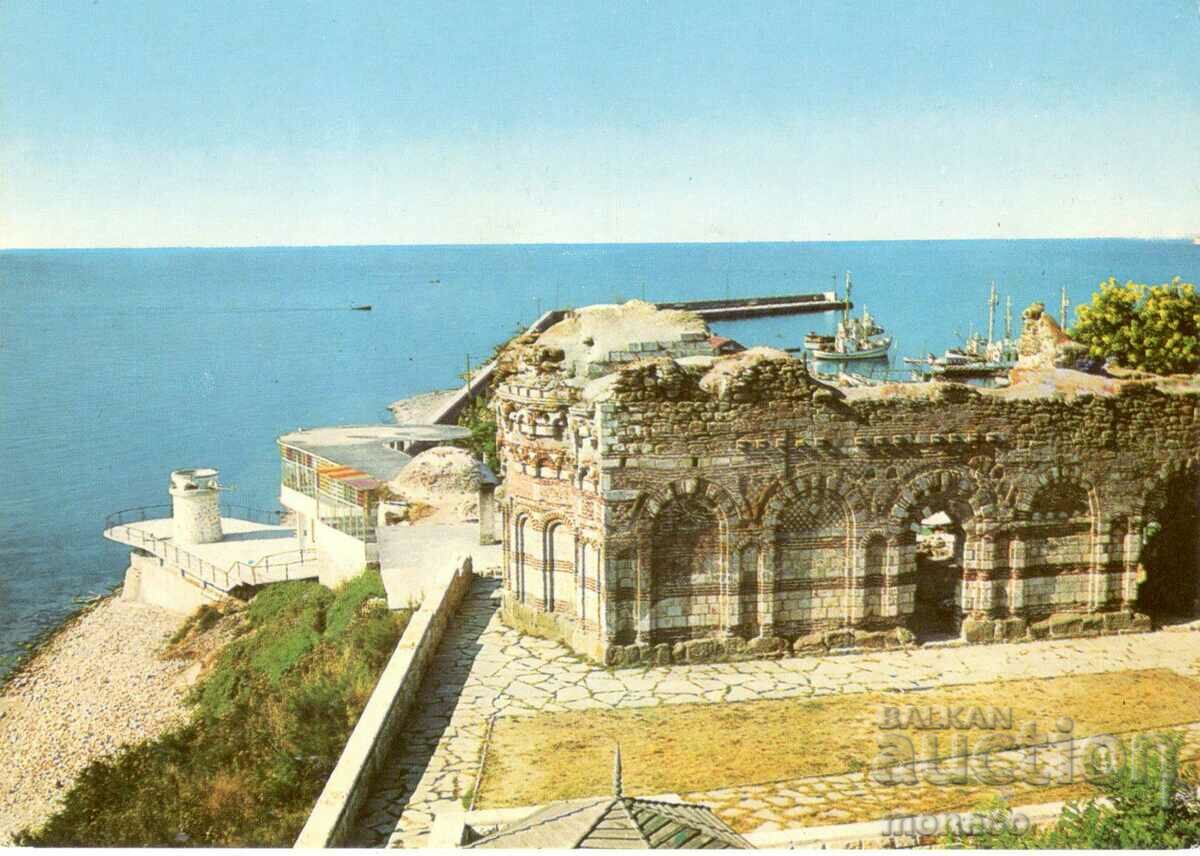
pixel 244 123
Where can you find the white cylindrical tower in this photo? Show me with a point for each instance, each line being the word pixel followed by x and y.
pixel 196 506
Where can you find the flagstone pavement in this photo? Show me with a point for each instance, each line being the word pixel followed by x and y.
pixel 485 669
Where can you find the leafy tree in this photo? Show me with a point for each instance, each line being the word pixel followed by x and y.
pixel 1153 328
pixel 1146 803
pixel 479 418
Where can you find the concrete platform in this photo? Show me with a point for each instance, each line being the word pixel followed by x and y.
pixel 249 554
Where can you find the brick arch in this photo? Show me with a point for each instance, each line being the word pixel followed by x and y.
pixel 785 492
pixel 544 521
pixel 686 571
pixel 730 509
pixel 810 523
pixel 939 482
pixel 1032 490
pixel 1156 485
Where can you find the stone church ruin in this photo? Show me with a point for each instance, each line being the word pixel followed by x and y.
pixel 666 503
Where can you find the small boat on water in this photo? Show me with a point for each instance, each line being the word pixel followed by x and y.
pixel 366 307
pixel 855 349
pixel 979 357
pixel 856 338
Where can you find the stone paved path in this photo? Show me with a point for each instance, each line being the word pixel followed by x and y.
pixel 484 669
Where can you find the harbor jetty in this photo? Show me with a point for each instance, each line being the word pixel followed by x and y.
pixel 738 308
pixel 727 309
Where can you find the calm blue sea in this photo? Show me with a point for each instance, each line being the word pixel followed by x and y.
pixel 117 366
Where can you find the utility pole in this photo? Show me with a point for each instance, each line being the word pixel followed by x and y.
pixel 1063 305
pixel 1008 328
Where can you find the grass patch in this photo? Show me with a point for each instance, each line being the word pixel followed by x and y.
pixel 268 724
pixel 700 747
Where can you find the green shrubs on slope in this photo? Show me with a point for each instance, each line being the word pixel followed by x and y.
pixel 1152 805
pixel 267 727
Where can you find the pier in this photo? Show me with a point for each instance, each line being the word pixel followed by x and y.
pixel 727 309
pixel 736 308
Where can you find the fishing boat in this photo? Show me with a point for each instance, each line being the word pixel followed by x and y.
pixel 979 357
pixel 366 307
pixel 856 338
pixel 852 348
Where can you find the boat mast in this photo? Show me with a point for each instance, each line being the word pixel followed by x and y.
pixel 846 307
pixel 1008 318
pixel 993 302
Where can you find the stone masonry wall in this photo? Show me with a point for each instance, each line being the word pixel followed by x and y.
pixel 745 508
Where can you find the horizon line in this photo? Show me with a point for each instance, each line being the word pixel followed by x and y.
pixel 435 244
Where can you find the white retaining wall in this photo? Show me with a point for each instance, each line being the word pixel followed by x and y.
pixel 150 580
pixel 336 810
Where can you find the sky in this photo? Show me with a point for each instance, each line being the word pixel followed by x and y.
pixel 214 123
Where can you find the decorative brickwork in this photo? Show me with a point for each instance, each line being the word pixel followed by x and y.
pixel 733 506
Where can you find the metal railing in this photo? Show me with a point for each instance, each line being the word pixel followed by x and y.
pixel 276 567
pixel 234 510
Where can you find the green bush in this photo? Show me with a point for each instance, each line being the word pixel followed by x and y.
pixel 1145 804
pixel 1152 328
pixel 267 727
pixel 481 421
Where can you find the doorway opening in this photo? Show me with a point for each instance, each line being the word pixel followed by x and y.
pixel 1169 572
pixel 941 547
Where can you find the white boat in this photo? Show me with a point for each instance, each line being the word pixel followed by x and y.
pixel 856 338
pixel 873 349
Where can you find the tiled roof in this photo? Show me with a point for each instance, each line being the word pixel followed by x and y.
pixel 618 823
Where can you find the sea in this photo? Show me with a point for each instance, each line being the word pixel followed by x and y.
pixel 117 366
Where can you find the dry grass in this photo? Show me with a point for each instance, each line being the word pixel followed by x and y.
pixel 699 747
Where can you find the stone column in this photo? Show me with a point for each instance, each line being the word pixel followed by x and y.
pixel 1016 569
pixel 889 598
pixel 903 552
pixel 487 513
pixel 506 547
pixel 731 584
pixel 1130 562
pixel 641 607
pixel 976 600
pixel 765 587
pixel 1097 559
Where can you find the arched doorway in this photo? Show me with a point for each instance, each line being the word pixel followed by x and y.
pixel 939 541
pixel 1169 572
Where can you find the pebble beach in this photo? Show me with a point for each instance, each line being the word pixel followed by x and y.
pixel 97 685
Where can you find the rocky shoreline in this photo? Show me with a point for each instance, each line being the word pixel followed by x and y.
pixel 96 685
